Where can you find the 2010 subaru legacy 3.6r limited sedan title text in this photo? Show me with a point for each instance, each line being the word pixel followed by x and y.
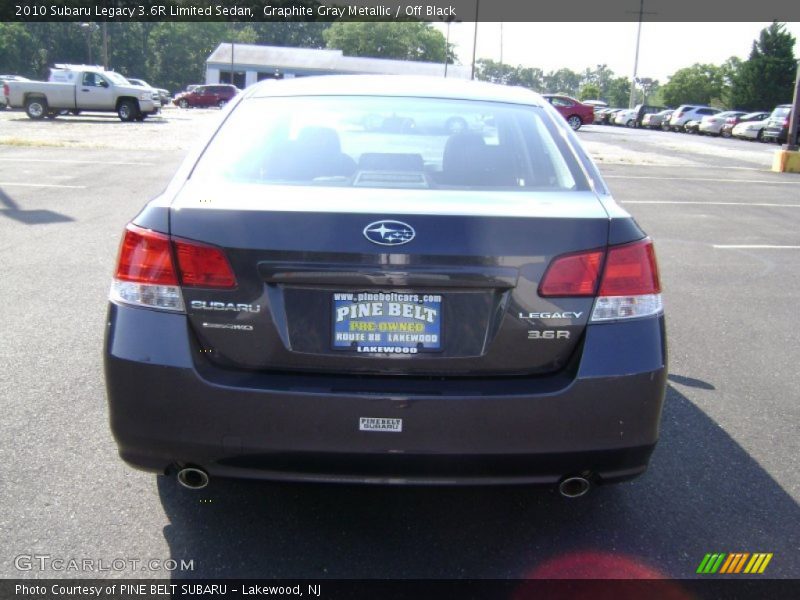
pixel 387 279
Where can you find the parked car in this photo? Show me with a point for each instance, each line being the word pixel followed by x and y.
pixel 4 78
pixel 656 120
pixel 751 129
pixel 641 110
pixel 83 89
pixel 689 112
pixel 207 95
pixel 598 104
pixel 625 117
pixel 732 122
pixel 712 124
pixel 777 129
pixel 258 328
pixel 575 112
pixel 163 95
pixel 691 126
pixel 608 116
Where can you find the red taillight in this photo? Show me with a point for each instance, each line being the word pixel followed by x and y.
pixel 6 90
pixel 572 275
pixel 203 266
pixel 145 257
pixel 630 270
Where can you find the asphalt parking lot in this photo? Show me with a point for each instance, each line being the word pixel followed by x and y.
pixel 724 477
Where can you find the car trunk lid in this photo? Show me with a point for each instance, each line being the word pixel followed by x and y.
pixel 316 293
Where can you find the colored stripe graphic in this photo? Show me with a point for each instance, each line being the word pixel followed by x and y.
pixel 734 563
pixel 758 563
pixel 722 563
pixel 711 563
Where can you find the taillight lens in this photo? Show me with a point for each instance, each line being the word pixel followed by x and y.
pixel 630 286
pixel 147 275
pixel 572 275
pixel 145 257
pixel 626 275
pixel 203 266
pixel 631 270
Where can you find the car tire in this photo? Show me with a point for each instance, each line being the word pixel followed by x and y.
pixel 760 136
pixel 183 103
pixel 222 103
pixel 127 110
pixel 574 121
pixel 630 123
pixel 455 125
pixel 36 108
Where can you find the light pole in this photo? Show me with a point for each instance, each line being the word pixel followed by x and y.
pixel 636 56
pixel 89 28
pixel 641 13
pixel 449 20
pixel 105 45
pixel 231 81
pixel 475 37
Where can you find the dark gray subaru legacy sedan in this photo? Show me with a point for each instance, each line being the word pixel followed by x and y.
pixel 387 280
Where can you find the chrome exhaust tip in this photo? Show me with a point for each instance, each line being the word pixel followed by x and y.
pixel 574 487
pixel 193 478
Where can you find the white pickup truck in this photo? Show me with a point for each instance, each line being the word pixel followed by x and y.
pixel 93 90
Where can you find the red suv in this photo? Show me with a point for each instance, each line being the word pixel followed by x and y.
pixel 575 112
pixel 207 95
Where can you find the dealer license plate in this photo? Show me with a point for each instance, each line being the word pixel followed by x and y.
pixel 387 322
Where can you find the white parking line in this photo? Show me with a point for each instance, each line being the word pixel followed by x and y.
pixel 43 185
pixel 753 247
pixel 769 204
pixel 716 180
pixel 74 162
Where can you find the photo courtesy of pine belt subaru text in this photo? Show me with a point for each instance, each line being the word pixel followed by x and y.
pixel 386 279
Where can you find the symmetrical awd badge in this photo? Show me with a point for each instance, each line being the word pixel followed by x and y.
pixel 389 233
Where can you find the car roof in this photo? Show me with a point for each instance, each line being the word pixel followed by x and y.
pixel 394 85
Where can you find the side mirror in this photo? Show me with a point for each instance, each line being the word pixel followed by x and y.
pixel 103 83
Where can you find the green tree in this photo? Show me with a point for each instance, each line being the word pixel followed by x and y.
pixel 618 92
pixel 589 91
pixel 563 81
pixel 698 84
pixel 766 78
pixel 409 40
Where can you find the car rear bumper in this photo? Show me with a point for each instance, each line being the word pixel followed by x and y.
pixel 169 406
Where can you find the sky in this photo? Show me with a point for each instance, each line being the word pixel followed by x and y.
pixel 664 47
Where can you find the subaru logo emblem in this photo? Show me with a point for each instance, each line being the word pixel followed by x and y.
pixel 389 233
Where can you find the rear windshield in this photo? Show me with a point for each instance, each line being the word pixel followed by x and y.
pixel 390 143
pixel 782 111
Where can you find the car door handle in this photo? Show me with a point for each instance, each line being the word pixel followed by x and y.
pixel 84 89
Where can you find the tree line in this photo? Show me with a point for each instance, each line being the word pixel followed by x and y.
pixel 172 55
pixel 762 81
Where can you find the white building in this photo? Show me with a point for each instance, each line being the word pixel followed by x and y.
pixel 251 63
